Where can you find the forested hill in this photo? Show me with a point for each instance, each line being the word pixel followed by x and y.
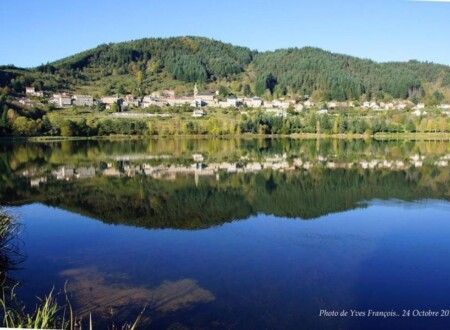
pixel 187 59
pixel 142 66
pixel 339 77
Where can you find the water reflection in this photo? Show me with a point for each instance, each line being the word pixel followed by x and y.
pixel 200 183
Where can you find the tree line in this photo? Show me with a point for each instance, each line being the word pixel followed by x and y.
pixel 54 124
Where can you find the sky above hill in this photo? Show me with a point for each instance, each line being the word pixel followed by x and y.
pixel 35 32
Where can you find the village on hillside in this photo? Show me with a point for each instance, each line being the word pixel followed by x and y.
pixel 198 101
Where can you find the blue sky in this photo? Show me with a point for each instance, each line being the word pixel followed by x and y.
pixel 35 32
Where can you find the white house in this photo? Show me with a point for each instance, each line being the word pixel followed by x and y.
pixel 371 105
pixel 308 104
pixel 198 103
pixel 108 101
pixel 280 104
pixel 61 100
pixel 366 105
pixel 419 106
pixel 149 100
pixel 232 101
pixel 207 97
pixel 389 106
pixel 83 100
pixel 419 113
pixel 179 101
pixel 299 107
pixel 223 104
pixel 332 105
pixel 400 106
pixel 254 102
pixel 131 101
pixel 31 91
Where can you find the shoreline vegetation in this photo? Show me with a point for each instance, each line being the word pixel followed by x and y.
pixel 87 124
pixel 299 136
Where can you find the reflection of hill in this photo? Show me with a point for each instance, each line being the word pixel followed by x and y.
pixel 152 203
pixel 118 181
pixel 328 191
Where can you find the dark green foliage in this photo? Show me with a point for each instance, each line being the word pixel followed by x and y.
pixel 438 97
pixel 3 116
pixel 325 124
pixel 187 68
pixel 446 80
pixel 262 124
pixel 17 79
pixel 410 126
pixel 340 77
pixel 119 126
pixel 264 82
pixel 312 123
pixel 185 58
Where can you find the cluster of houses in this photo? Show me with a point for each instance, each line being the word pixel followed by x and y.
pixel 63 100
pixel 132 165
pixel 198 101
pixel 418 109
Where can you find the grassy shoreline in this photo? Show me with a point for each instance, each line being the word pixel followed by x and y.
pixel 377 136
pixel 413 136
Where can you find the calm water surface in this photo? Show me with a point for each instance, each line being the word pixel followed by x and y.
pixel 234 233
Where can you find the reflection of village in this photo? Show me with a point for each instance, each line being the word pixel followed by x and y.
pixel 133 165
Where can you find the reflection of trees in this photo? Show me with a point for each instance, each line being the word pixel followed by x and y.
pixel 10 255
pixel 148 202
pixel 16 156
pixel 319 192
pixel 153 203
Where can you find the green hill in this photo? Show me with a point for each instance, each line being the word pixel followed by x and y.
pixel 341 77
pixel 145 65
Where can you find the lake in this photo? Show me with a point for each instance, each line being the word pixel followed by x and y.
pixel 234 233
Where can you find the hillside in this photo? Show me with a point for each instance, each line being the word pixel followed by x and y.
pixel 341 77
pixel 145 65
